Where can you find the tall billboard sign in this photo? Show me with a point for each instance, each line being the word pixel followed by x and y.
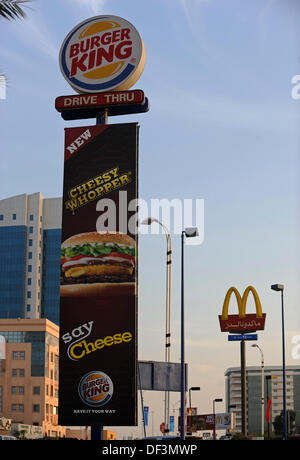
pixel 99 250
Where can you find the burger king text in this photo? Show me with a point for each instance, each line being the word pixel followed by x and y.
pixel 88 54
pixel 80 349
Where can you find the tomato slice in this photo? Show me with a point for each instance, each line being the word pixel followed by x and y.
pixel 112 254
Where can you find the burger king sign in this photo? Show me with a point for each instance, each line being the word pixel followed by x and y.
pixel 103 53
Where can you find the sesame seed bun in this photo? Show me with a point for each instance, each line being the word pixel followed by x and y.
pixel 100 238
pixel 98 290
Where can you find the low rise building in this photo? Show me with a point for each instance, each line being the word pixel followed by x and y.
pixel 29 373
pixel 273 386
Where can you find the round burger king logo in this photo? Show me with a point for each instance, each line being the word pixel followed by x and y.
pixel 102 53
pixel 95 388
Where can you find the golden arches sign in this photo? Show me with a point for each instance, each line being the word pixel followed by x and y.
pixel 242 322
pixel 242 302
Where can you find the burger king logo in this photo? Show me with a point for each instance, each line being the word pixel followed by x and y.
pixel 95 388
pixel 102 53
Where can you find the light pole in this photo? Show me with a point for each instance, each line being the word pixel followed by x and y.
pixel 268 378
pixel 262 390
pixel 214 412
pixel 280 287
pixel 190 399
pixel 189 233
pixel 149 221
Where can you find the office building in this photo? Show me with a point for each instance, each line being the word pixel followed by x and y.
pixel 274 389
pixel 29 373
pixel 30 236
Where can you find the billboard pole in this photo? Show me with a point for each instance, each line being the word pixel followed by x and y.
pixel 243 388
pixel 97 431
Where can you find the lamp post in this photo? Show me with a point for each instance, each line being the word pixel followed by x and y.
pixel 190 399
pixel 149 221
pixel 280 288
pixel 262 390
pixel 214 412
pixel 268 378
pixel 189 233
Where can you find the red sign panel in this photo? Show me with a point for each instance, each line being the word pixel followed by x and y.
pixel 99 100
pixel 248 323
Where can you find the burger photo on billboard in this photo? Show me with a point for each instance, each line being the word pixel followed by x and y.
pixel 96 263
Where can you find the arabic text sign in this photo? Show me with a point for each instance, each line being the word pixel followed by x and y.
pixel 249 323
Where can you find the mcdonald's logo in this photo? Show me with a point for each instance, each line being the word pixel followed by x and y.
pixel 242 323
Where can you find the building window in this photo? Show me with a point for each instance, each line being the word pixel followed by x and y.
pixel 30 229
pixel 28 295
pixel 30 242
pixel 1 216
pixel 29 255
pixel 22 354
pixel 17 390
pixel 15 355
pixel 28 307
pixel 36 408
pixel 21 407
pixel 14 407
pixel 36 390
pixel 14 372
pixel 29 268
pixel 14 216
pixel 47 390
pixel 21 372
pixel 31 216
pixel 29 281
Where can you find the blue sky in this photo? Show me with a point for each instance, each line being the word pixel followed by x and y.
pixel 222 127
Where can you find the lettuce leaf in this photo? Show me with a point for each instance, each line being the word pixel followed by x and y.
pixel 95 250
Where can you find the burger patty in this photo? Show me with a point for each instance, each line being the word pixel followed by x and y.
pixel 97 279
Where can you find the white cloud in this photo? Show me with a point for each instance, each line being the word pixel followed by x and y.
pixel 35 31
pixel 95 6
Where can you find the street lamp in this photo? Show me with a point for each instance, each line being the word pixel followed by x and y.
pixel 214 412
pixel 262 391
pixel 280 288
pixel 190 397
pixel 190 400
pixel 189 233
pixel 149 221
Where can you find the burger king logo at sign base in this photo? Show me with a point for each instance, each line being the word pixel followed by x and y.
pixel 95 388
pixel 102 53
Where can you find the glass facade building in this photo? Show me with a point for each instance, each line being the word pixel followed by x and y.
pixel 12 268
pixel 30 239
pixel 51 275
